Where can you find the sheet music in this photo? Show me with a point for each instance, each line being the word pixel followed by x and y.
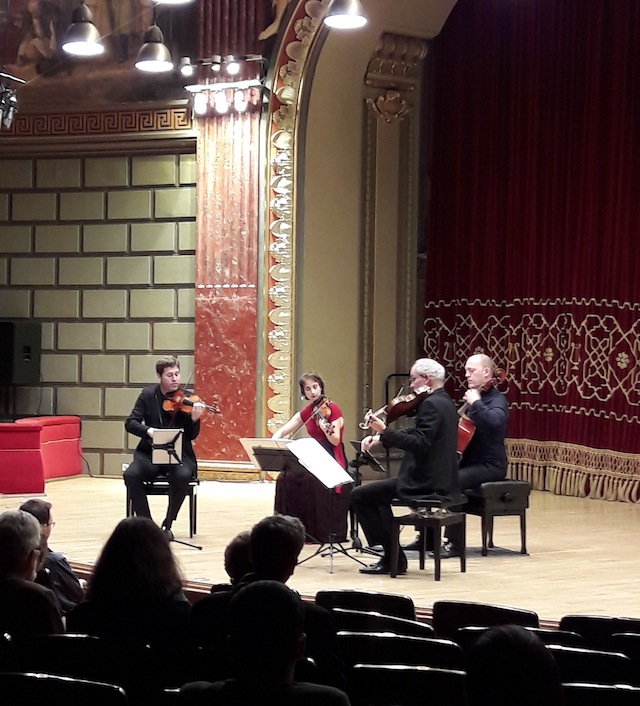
pixel 319 462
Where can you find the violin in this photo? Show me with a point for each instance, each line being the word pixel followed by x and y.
pixel 181 402
pixel 400 406
pixel 466 428
pixel 322 413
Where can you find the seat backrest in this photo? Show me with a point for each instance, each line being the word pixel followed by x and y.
pixel 30 688
pixel 370 621
pixel 578 664
pixel 401 685
pixel 448 616
pixel 580 694
pixel 387 603
pixel 596 630
pixel 467 636
pixel 388 648
pixel 628 643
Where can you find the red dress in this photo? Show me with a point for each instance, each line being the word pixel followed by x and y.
pixel 322 512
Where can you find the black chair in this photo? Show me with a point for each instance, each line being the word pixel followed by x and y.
pixel 578 664
pixel 371 621
pixel 467 636
pixel 499 499
pixel 29 688
pixel 579 694
pixel 160 486
pixel 449 616
pixel 402 685
pixel 629 644
pixel 428 517
pixel 387 603
pixel 8 657
pixel 387 648
pixel 598 629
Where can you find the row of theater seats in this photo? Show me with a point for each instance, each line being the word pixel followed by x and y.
pixel 390 657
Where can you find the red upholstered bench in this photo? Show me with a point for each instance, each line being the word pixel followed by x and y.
pixel 59 443
pixel 21 469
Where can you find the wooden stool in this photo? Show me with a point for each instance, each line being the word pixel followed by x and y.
pixel 499 498
pixel 432 515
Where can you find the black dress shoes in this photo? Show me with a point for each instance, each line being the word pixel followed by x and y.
pixel 382 567
pixel 447 551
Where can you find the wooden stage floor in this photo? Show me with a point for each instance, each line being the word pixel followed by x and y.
pixel 583 555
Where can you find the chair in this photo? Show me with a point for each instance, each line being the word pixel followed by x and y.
pixel 578 664
pixel 387 603
pixel 387 648
pixel 402 685
pixel 29 688
pixel 629 644
pixel 579 694
pixel 466 636
pixel 448 616
pixel 428 516
pixel 598 629
pixel 370 621
pixel 499 499
pixel 160 486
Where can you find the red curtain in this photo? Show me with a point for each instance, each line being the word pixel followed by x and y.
pixel 532 227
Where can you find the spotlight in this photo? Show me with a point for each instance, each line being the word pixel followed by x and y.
pixel 200 103
pixel 186 67
pixel 239 101
pixel 232 67
pixel 220 103
pixel 82 38
pixel 345 14
pixel 8 105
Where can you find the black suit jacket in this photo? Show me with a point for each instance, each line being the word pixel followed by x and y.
pixel 147 412
pixel 430 462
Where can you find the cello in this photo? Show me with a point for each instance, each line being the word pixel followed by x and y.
pixel 466 428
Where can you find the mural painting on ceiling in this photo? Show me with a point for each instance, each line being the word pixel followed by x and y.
pixel 31 37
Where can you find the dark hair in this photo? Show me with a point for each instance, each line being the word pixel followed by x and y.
pixel 276 542
pixel 40 509
pixel 168 361
pixel 237 556
pixel 310 376
pixel 509 664
pixel 136 562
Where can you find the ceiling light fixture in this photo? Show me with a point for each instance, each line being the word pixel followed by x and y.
pixel 154 57
pixel 345 14
pixel 82 38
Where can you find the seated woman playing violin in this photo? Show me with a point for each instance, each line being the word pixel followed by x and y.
pixel 299 493
pixel 153 410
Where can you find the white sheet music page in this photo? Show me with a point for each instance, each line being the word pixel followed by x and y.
pixel 319 462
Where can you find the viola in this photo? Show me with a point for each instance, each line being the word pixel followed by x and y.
pixel 400 406
pixel 466 428
pixel 181 402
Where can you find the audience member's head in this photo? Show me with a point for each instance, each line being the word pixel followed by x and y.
pixel 237 557
pixel 266 638
pixel 276 542
pixel 20 539
pixel 137 563
pixel 510 665
pixel 41 510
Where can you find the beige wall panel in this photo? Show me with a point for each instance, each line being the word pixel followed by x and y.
pixel 129 204
pixel 104 304
pixel 93 463
pixel 175 203
pixel 133 337
pixel 118 402
pixel 153 170
pixel 15 304
pixel 33 270
pixel 33 207
pixel 175 269
pixel 83 401
pixel 187 169
pixel 152 303
pixel 15 239
pixel 58 367
pixel 80 336
pixel 186 303
pixel 4 207
pixel 4 270
pixel 187 235
pixel 112 463
pixel 142 368
pixel 105 238
pixel 173 336
pixel 103 368
pixel 110 171
pixel 82 206
pixel 16 173
pixel 48 335
pixel 57 238
pixel 56 304
pixel 81 270
pixel 32 401
pixel 153 236
pixel 58 173
pixel 129 270
pixel 98 434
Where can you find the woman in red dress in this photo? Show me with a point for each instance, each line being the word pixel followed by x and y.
pixel 323 512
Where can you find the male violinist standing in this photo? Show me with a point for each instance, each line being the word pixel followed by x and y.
pixel 148 415
pixel 428 466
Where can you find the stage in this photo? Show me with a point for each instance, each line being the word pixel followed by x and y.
pixel 582 552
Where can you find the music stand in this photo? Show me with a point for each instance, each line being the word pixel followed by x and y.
pixel 363 458
pixel 308 456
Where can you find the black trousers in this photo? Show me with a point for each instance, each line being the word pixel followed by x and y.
pixel 143 470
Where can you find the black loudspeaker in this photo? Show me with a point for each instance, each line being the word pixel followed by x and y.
pixel 20 345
